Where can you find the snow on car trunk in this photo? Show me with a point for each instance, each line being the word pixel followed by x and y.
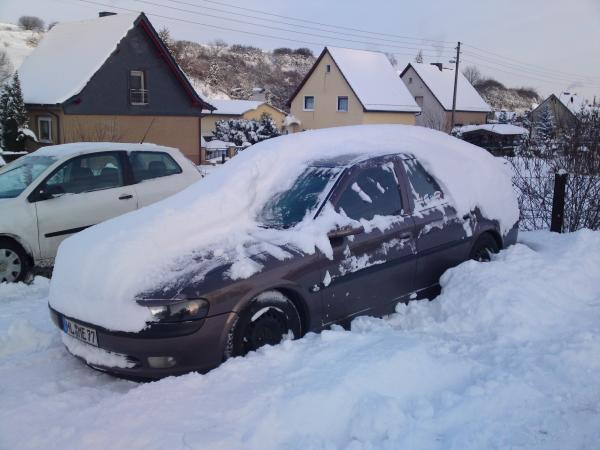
pixel 100 271
pixel 505 357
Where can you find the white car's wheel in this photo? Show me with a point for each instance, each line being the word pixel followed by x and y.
pixel 13 262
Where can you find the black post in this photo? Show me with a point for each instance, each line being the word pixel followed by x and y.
pixel 223 157
pixel 558 201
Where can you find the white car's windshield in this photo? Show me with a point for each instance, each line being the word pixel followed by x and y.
pixel 15 177
pixel 288 208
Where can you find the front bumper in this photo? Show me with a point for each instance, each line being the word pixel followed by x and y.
pixel 197 346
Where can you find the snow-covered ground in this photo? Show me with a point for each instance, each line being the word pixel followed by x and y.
pixel 507 357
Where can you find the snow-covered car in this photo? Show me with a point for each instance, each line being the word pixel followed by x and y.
pixel 60 190
pixel 293 235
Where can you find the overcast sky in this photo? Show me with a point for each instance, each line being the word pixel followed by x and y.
pixel 552 45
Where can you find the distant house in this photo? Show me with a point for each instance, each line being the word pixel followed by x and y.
pixel 110 79
pixel 350 87
pixel 500 139
pixel 562 109
pixel 238 109
pixel 432 87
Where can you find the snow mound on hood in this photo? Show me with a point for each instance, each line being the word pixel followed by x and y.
pixel 99 271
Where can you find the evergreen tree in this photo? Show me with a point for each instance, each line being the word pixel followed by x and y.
pixel 419 57
pixel 267 128
pixel 242 131
pixel 13 115
pixel 544 132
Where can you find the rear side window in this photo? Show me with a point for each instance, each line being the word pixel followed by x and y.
pixel 87 173
pixel 148 165
pixel 374 191
pixel 426 191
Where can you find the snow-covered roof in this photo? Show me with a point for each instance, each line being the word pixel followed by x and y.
pixel 291 120
pixel 217 144
pixel 88 147
pixel 498 128
pixel 232 107
pixel 574 102
pixel 69 55
pixel 206 219
pixel 373 79
pixel 441 84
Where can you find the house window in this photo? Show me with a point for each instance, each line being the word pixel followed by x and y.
pixel 45 129
pixel 328 68
pixel 309 103
pixel 138 93
pixel 409 80
pixel 342 104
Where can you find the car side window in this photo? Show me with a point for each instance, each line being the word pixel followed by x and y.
pixel 426 191
pixel 149 165
pixel 374 191
pixel 87 173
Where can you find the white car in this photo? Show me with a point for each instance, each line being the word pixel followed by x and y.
pixel 59 190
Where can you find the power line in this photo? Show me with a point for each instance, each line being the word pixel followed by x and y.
pixel 287 30
pixel 222 28
pixel 498 56
pixel 318 23
pixel 404 41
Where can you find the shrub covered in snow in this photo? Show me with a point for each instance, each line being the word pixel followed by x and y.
pixel 13 116
pixel 242 132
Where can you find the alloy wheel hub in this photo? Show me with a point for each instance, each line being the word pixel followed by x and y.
pixel 10 265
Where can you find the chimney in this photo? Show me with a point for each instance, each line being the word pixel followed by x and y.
pixel 106 13
pixel 438 65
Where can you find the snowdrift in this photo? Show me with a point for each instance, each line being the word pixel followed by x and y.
pixel 99 271
pixel 505 357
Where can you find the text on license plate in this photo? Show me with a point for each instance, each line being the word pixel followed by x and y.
pixel 85 334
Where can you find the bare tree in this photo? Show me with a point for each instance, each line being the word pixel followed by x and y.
pixel 32 23
pixel 472 74
pixel 6 67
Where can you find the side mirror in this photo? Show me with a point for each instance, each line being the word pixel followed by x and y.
pixel 345 232
pixel 48 192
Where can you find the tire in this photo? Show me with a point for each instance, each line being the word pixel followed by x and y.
pixel 268 319
pixel 483 248
pixel 14 262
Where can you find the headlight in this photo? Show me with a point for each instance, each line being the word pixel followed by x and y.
pixel 177 311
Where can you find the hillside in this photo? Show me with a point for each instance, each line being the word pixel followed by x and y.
pixel 16 43
pixel 500 98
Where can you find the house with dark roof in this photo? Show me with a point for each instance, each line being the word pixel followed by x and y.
pixel 432 87
pixel 110 79
pixel 351 87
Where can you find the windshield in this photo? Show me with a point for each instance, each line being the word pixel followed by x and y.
pixel 15 177
pixel 310 189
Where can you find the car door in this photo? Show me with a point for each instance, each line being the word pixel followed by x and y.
pixel 441 236
pixel 82 192
pixel 375 268
pixel 157 175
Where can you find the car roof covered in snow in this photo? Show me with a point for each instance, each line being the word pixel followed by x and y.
pixel 441 85
pixel 218 215
pixel 78 148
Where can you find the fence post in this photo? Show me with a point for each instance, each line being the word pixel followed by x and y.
pixel 558 201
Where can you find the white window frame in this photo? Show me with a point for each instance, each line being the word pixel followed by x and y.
pixel 337 104
pixel 142 75
pixel 304 103
pixel 41 119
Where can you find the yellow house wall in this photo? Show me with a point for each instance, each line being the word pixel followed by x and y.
pixel 173 131
pixel 326 87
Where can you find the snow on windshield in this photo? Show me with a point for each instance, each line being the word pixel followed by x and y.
pixel 102 269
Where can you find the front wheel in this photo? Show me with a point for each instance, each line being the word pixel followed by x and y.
pixel 483 248
pixel 270 318
pixel 14 264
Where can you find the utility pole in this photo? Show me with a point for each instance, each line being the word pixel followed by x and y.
pixel 455 84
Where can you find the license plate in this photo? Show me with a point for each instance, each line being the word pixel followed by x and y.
pixel 84 334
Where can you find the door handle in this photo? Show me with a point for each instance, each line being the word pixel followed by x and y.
pixel 125 197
